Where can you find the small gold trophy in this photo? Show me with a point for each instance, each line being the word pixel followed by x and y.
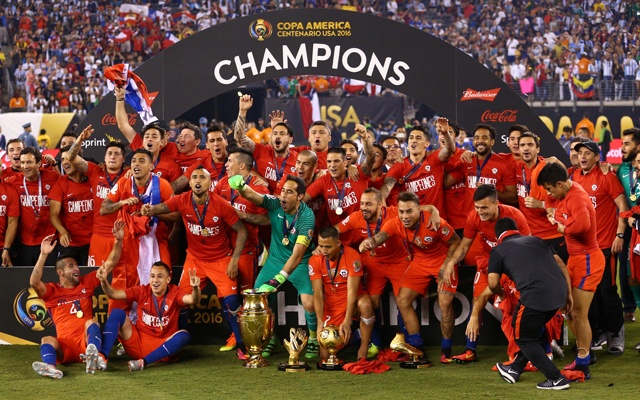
pixel 256 326
pixel 331 341
pixel 295 345
pixel 416 356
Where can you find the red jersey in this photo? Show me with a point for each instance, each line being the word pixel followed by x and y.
pixel 390 251
pixel 157 316
pixel 9 207
pixel 123 189
pixel 332 191
pixel 241 204
pixel 218 218
pixel 424 179
pixel 427 246
pixel 456 200
pixel 602 190
pixel 493 170
pixel 271 167
pixel 165 165
pixel 101 183
pixel 335 277
pixel 527 185
pixel 9 172
pixel 71 308
pixel 322 155
pixel 217 171
pixel 486 230
pixel 198 157
pixel 35 222
pixel 76 208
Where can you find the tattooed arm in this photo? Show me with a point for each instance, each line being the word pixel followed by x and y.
pixel 245 104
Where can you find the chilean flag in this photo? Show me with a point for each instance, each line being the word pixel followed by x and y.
pixel 136 95
pixel 309 110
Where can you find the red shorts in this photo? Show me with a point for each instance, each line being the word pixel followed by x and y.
pixel 480 282
pixel 247 270
pixel 215 271
pixel 418 277
pixel 377 274
pixel 335 311
pixel 71 349
pixel 585 270
pixel 139 346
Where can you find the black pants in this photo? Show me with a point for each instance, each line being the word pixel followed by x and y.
pixel 27 256
pixel 528 329
pixel 78 253
pixel 559 244
pixel 605 313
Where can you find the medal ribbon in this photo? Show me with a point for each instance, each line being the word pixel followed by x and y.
pixel 134 189
pixel 479 167
pixel 414 169
pixel 160 310
pixel 280 170
pixel 39 202
pixel 408 245
pixel 204 211
pixel 285 228
pixel 335 272
pixel 116 179
pixel 378 224
pixel 527 185
pixel 340 193
pixel 222 172
pixel 235 193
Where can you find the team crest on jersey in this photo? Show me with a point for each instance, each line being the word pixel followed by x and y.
pixel 159 174
pixel 4 197
pixel 293 169
pixel 84 290
pixel 311 270
pixel 564 216
pixel 215 219
pixel 356 266
pixel 428 239
pixel 445 230
pixel 344 273
pixel 47 187
pixel 347 185
pixel 594 187
pixel 114 189
pixel 166 307
pixel 495 171
pixel 427 168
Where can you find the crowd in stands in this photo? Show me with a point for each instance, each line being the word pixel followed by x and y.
pixel 54 51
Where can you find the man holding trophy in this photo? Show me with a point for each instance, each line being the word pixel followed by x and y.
pixel 338 295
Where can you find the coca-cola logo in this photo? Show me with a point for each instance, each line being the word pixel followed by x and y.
pixel 486 95
pixel 110 119
pixel 500 116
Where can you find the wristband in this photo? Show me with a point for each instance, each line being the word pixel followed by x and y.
pixel 284 274
pixel 6 248
pixel 120 99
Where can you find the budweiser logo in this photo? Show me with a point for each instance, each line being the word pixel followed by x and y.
pixel 110 119
pixel 486 95
pixel 501 116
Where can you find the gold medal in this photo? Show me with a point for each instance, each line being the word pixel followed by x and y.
pixel 409 258
pixel 339 211
pixel 205 232
pixel 285 241
pixel 633 197
pixel 79 314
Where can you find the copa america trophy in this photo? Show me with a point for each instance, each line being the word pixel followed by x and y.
pixel 256 326
pixel 330 340
pixel 416 356
pixel 295 345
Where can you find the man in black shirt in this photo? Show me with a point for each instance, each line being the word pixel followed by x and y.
pixel 543 282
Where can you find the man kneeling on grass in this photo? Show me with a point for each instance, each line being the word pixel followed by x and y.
pixel 155 337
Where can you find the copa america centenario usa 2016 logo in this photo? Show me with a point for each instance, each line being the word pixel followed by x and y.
pixel 31 311
pixel 260 29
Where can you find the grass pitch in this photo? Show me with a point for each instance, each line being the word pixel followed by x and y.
pixel 205 373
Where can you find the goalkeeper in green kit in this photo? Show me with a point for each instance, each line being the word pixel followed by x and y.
pixel 292 224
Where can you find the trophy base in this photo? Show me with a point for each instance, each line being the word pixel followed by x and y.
pixel 416 364
pixel 256 361
pixel 299 367
pixel 331 367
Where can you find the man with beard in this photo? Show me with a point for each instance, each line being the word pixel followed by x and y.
pixel 626 175
pixel 607 195
pixel 427 251
pixel 209 222
pixel 422 172
pixel 102 178
pixel 70 303
pixel 351 152
pixel 215 164
pixel 319 138
pixel 275 160
pixel 33 187
pixel 291 245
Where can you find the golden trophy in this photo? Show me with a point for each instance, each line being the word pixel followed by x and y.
pixel 256 326
pixel 416 356
pixel 295 345
pixel 330 340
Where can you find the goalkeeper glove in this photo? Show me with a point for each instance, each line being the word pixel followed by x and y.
pixel 273 284
pixel 237 182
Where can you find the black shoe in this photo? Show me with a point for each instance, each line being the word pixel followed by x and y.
pixel 585 369
pixel 507 373
pixel 554 384
pixel 592 358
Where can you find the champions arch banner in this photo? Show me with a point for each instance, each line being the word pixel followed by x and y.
pixel 324 42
